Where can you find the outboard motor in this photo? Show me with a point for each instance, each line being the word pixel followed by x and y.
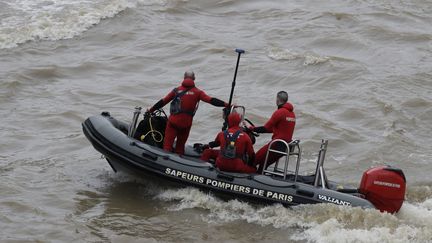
pixel 384 187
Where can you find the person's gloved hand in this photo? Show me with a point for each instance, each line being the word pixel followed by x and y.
pixel 147 113
pixel 199 147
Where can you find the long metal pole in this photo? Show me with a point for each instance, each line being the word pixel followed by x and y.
pixel 239 51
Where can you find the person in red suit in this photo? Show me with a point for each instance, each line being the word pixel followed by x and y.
pixel 236 148
pixel 281 124
pixel 184 103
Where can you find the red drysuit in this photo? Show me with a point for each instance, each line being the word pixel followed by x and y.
pixel 179 125
pixel 243 146
pixel 282 124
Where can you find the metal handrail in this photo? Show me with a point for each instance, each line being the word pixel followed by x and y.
pixel 132 127
pixel 242 111
pixel 287 153
pixel 323 184
pixel 319 171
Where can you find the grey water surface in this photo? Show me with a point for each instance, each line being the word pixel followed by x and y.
pixel 358 73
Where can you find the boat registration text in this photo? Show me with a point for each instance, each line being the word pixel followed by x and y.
pixel 228 186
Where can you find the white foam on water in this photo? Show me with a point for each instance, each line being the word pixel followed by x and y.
pixel 308 58
pixel 412 224
pixel 283 54
pixel 427 204
pixel 30 20
pixel 319 222
pixel 228 211
pixel 419 193
pixel 419 214
pixel 312 59
pixel 335 231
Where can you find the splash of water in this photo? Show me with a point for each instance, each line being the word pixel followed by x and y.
pixel 57 19
pixel 308 58
pixel 321 222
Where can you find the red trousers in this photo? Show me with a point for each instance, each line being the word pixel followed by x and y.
pixel 233 165
pixel 272 157
pixel 229 165
pixel 210 154
pixel 172 132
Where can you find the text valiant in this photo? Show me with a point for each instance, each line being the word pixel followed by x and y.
pixel 333 200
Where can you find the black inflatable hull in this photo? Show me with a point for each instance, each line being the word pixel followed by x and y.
pixel 108 136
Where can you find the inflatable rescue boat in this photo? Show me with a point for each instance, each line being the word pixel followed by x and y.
pixel 137 150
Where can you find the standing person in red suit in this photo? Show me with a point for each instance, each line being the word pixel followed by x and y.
pixel 281 124
pixel 185 99
pixel 236 148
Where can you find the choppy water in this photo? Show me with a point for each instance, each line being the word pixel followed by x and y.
pixel 358 72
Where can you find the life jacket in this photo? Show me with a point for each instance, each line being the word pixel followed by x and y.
pixel 175 106
pixel 229 150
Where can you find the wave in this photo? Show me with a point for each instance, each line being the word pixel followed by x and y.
pixel 308 57
pixel 419 193
pixel 56 19
pixel 317 223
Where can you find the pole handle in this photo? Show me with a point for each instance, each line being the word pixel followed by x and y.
pixel 239 51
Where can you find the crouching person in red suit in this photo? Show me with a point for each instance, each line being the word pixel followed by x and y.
pixel 184 103
pixel 281 124
pixel 236 148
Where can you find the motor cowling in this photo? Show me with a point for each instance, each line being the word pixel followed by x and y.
pixel 384 187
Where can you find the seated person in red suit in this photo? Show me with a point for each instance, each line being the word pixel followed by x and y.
pixel 281 124
pixel 236 148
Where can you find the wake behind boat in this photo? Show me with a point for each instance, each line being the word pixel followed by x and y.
pixel 381 187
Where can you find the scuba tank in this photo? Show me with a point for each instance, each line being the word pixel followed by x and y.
pixel 151 130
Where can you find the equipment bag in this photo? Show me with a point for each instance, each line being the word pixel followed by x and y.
pixel 175 106
pixel 229 150
pixel 151 130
